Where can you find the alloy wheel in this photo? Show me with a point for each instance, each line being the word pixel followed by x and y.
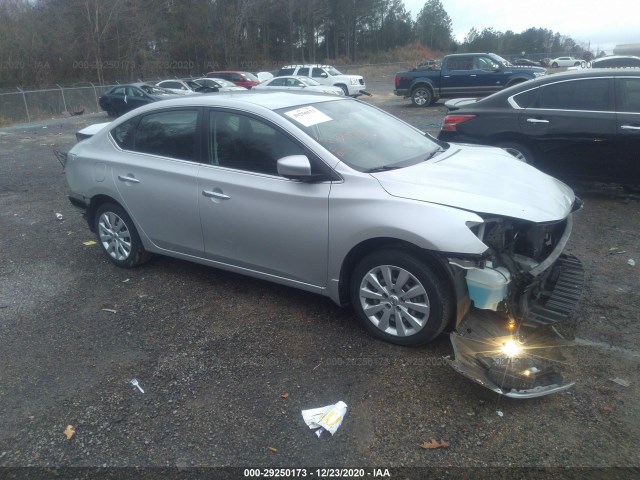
pixel 394 300
pixel 114 236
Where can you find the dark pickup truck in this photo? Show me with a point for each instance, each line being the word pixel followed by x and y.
pixel 462 75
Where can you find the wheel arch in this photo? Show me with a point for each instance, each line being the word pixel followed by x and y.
pixel 422 83
pixel 359 251
pixel 513 137
pixel 343 86
pixel 516 81
pixel 96 202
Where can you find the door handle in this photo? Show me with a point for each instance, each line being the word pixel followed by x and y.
pixel 630 127
pixel 472 75
pixel 209 193
pixel 124 178
pixel 537 120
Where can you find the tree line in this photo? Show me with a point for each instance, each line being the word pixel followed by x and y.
pixel 45 42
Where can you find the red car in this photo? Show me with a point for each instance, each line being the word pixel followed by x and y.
pixel 242 79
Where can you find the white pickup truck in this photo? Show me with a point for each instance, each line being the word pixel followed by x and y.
pixel 352 85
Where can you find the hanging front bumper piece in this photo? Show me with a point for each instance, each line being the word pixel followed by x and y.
pixel 519 354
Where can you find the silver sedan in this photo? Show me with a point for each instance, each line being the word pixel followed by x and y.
pixel 294 82
pixel 331 195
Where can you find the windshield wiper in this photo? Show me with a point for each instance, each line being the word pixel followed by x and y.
pixel 437 151
pixel 383 168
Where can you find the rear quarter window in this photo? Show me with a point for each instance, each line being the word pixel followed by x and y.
pixel 525 99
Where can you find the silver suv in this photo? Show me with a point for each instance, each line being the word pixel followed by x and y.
pixel 351 85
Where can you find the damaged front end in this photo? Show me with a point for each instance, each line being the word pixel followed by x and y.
pixel 519 290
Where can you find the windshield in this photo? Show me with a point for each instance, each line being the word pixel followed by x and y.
pixel 217 82
pixel 250 76
pixel 362 136
pixel 309 82
pixel 332 71
pixel 154 90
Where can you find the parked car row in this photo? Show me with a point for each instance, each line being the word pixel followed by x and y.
pixel 124 98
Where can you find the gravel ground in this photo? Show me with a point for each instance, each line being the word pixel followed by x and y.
pixel 215 352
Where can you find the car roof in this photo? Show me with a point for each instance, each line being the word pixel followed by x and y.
pixel 308 65
pixel 228 71
pixel 616 57
pixel 271 100
pixel 136 84
pixel 499 97
pixel 290 76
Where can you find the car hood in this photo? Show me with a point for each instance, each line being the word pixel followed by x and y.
pixel 483 180
pixel 166 96
pixel 526 68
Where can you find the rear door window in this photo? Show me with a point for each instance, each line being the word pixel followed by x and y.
pixel 460 63
pixel 170 133
pixel 590 94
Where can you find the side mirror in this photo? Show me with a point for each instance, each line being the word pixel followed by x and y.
pixel 296 167
pixel 324 75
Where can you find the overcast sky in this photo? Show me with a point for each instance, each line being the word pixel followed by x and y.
pixel 603 23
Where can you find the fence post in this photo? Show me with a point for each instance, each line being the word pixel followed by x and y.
pixel 95 93
pixel 24 98
pixel 64 103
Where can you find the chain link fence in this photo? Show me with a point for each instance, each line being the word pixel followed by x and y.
pixel 30 105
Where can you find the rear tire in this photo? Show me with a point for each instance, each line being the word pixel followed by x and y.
pixel 399 298
pixel 519 151
pixel 118 237
pixel 421 97
pixel 554 65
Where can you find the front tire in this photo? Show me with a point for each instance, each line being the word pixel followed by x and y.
pixel 421 97
pixel 399 298
pixel 518 151
pixel 118 237
pixel 344 89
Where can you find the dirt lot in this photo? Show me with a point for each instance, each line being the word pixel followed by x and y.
pixel 214 352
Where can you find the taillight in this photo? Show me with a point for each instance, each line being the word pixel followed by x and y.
pixel 451 122
pixel 397 81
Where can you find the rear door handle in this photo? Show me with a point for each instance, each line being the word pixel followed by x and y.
pixel 537 120
pixel 124 178
pixel 630 127
pixel 209 193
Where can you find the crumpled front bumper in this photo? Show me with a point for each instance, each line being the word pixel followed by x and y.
pixel 533 366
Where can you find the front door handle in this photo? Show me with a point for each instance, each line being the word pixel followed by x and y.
pixel 209 193
pixel 124 178
pixel 537 120
pixel 630 127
